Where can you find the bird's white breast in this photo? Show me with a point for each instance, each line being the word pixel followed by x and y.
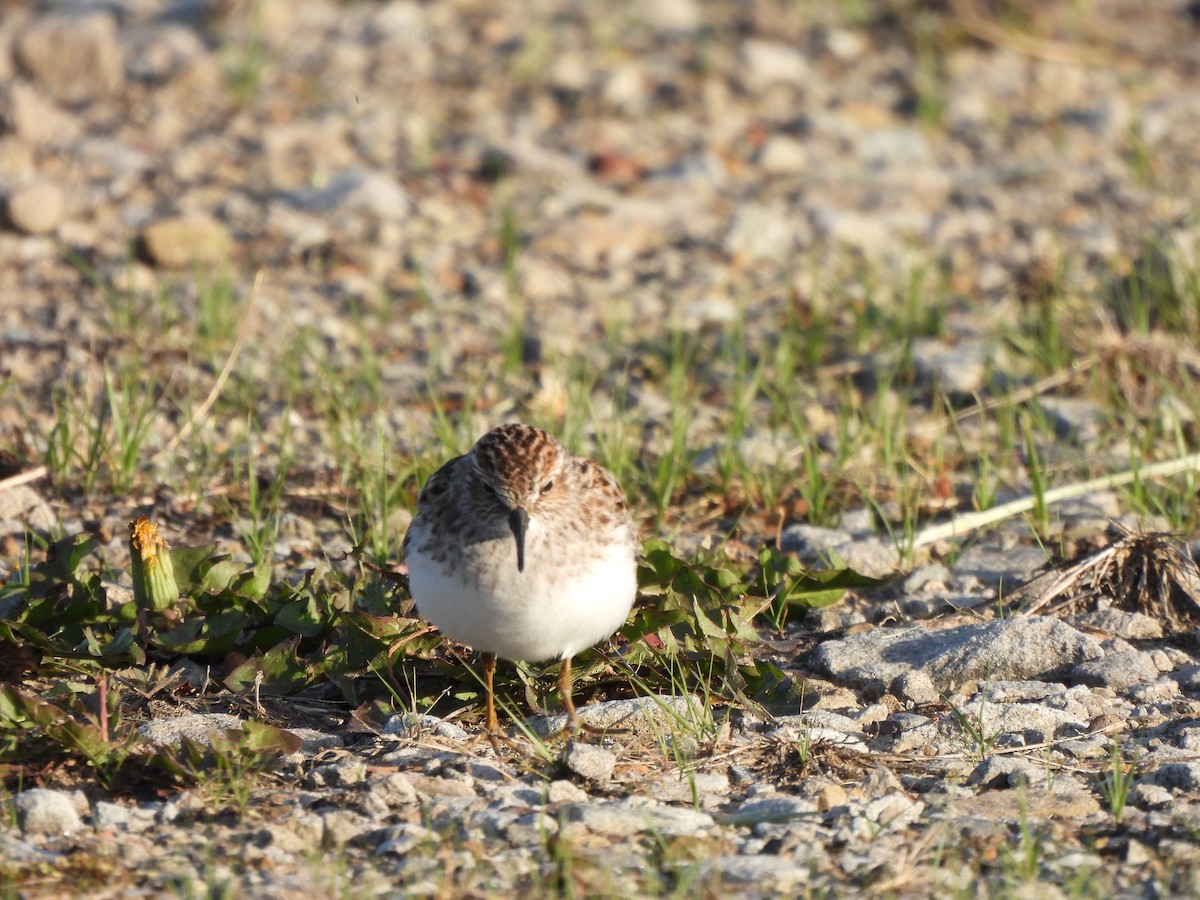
pixel 566 599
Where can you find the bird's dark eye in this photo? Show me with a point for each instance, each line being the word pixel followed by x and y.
pixel 548 486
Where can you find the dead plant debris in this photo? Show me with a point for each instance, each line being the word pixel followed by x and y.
pixel 1147 572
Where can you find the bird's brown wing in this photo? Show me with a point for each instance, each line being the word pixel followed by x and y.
pixel 436 485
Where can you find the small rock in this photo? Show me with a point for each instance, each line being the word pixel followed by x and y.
pixel 410 724
pixel 590 762
pixel 17 500
pixel 73 58
pixel 915 688
pixel 830 796
pixel 395 789
pixel 1075 420
pixel 1148 795
pixel 619 818
pixel 997 772
pixel 1118 623
pixel 197 728
pixel 866 556
pixel 1119 671
pixel 959 369
pixel 930 578
pixel 35 119
pixel 562 791
pixel 845 45
pixel 671 15
pixel 49 812
pixel 894 146
pixel 783 155
pixel 1181 777
pixel 183 241
pixel 771 809
pixel 36 209
pixel 636 714
pixel 767 62
pixel 894 810
pixel 1001 563
pixel 110 816
pixel 354 192
pixel 763 232
pixel 773 874
pixel 343 773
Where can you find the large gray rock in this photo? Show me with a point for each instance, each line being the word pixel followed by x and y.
pixel 1017 648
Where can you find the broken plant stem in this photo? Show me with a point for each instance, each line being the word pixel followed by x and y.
pixel 962 525
pixel 22 478
pixel 102 698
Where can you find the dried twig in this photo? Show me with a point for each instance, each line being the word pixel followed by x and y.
pixel 22 478
pixel 1041 48
pixel 965 524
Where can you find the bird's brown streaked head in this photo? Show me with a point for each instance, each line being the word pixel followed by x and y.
pixel 524 468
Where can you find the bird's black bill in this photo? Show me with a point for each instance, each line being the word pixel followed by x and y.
pixel 518 521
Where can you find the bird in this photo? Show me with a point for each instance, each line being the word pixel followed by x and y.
pixel 524 551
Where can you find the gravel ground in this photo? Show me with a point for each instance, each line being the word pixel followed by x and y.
pixel 417 183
